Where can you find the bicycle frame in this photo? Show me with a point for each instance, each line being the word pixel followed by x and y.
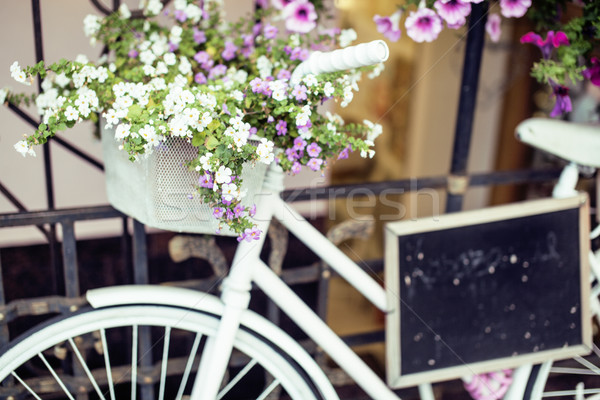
pixel 247 268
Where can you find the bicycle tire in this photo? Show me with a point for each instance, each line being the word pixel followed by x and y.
pixel 101 335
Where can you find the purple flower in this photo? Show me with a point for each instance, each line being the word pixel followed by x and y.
pixel 225 109
pixel 252 211
pixel 593 72
pixel 553 40
pixel 226 201
pixel 238 210
pixel 229 52
pixel 299 92
pixel 389 26
pixel 201 57
pixel 284 74
pixel 563 101
pixel 173 46
pixel 296 53
pixel 299 144
pixel 270 31
pixel 217 71
pixel 180 15
pixel 423 25
pixel 262 3
pixel 314 164
pixel 343 154
pixel 255 84
pixel 218 212
pixel 132 53
pixel 241 237
pixel 252 233
pixel 281 127
pixel 200 78
pixel 199 36
pixel 514 8
pixel 206 181
pixel 229 214
pixel 292 154
pixel 454 12
pixel 492 27
pixel 300 16
pixel 296 167
pixel 270 119
pixel 313 150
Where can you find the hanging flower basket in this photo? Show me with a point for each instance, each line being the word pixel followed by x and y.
pixel 160 190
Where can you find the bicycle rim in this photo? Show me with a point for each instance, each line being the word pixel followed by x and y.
pixel 92 352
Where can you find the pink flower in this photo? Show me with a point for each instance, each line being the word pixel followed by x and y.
pixel 454 12
pixel 389 26
pixel 553 40
pixel 296 167
pixel 492 27
pixel 423 25
pixel 280 4
pixel 514 8
pixel 300 16
pixel 563 101
pixel 593 72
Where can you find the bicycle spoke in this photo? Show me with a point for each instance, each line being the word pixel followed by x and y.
pixel 236 379
pixel 55 375
pixel 134 348
pixel 165 359
pixel 109 377
pixel 588 364
pixel 22 382
pixel 573 371
pixel 86 369
pixel 562 393
pixel 268 390
pixel 188 366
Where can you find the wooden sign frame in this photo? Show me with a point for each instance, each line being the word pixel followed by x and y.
pixel 399 376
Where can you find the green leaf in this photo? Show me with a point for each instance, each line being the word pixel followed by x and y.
pixel 135 111
pixel 211 142
pixel 198 139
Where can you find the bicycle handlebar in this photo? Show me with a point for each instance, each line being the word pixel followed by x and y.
pixel 360 55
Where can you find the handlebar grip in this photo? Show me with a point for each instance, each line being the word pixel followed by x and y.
pixel 360 55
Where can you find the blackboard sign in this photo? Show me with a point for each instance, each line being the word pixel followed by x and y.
pixel 488 289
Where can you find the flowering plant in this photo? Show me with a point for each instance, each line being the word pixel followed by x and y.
pixel 223 86
pixel 567 33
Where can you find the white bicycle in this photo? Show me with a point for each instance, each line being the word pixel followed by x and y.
pixel 205 347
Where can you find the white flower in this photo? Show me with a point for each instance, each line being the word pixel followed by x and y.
pixel 3 94
pixel 310 80
pixel 205 161
pixel 264 67
pixel 161 68
pixel 111 118
pixel 61 80
pixel 237 95
pixel 264 150
pixel 24 148
pixel 148 132
pixel 124 11
pixel 347 36
pixel 147 57
pixel 71 113
pixel 206 119
pixel 153 7
pixel 17 74
pixel 374 130
pixel 328 89
pixel 223 175
pixel 122 131
pixel 376 71
pixel 149 70
pixel 170 58
pixel 91 25
pixel 184 65
pixel 82 58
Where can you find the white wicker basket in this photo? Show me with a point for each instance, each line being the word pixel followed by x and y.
pixel 156 190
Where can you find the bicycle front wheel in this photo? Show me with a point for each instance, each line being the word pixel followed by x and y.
pixel 142 351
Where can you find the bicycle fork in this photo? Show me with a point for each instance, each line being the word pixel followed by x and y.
pixel 235 295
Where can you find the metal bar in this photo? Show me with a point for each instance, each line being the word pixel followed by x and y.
pixel 58 216
pixel 21 208
pixel 4 335
pixel 412 184
pixel 70 267
pixel 468 97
